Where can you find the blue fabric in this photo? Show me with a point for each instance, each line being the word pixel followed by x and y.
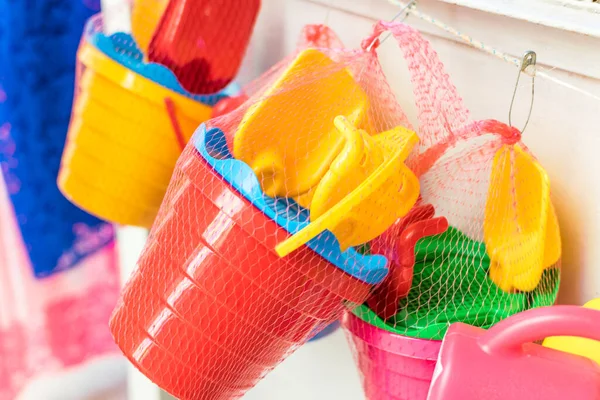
pixel 38 44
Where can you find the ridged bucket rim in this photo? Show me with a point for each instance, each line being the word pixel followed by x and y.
pixel 389 342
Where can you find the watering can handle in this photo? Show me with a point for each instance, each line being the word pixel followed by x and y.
pixel 510 334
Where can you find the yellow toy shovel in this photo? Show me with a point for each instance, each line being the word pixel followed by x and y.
pixel 288 137
pixel 366 189
pixel 520 228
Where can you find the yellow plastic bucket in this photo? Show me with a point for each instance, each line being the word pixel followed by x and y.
pixel 121 146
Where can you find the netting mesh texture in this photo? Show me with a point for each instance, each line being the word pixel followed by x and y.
pixel 315 197
pixel 499 254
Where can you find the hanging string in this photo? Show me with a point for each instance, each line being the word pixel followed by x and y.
pixel 531 70
pixel 529 58
pixel 328 12
pixel 403 11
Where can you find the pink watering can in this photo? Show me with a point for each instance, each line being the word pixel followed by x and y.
pixel 502 363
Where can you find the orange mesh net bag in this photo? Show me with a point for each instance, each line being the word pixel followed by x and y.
pixel 481 244
pixel 259 242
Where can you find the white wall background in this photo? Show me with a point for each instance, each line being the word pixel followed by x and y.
pixel 564 133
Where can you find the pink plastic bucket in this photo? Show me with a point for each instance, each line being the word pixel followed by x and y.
pixel 393 367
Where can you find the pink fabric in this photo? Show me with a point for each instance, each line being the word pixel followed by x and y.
pixel 53 323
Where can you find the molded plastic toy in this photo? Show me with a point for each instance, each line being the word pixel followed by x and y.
pixel 285 212
pixel 290 148
pixel 578 345
pixel 520 228
pixel 366 189
pixel 455 287
pixel 397 244
pixel 502 363
pixel 204 41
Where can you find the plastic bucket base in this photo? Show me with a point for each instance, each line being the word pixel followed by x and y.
pixel 392 367
pixel 211 308
pixel 103 204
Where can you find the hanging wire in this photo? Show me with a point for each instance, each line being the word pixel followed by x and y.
pixel 540 73
pixel 328 11
pixel 529 59
pixel 404 10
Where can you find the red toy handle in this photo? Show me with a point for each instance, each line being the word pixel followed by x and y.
pixel 510 334
pixel 416 225
pixel 385 244
pixel 415 232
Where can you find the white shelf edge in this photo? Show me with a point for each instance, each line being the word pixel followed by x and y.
pixel 557 47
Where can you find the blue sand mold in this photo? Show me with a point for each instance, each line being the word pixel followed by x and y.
pixel 285 212
pixel 121 47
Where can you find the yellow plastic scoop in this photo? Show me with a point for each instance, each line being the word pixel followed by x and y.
pixel 366 189
pixel 576 345
pixel 288 137
pixel 520 228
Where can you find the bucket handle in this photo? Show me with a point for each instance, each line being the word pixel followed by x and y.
pixel 170 106
pixel 510 334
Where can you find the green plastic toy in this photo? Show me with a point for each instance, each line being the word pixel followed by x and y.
pixel 451 284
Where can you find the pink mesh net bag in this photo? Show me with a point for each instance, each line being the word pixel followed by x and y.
pixel 481 244
pixel 259 242
pixel 56 323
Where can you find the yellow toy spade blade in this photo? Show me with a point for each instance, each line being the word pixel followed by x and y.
pixel 287 137
pixel 366 189
pixel 520 229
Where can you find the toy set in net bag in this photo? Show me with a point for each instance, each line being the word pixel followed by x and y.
pixel 129 124
pixel 259 241
pixel 492 251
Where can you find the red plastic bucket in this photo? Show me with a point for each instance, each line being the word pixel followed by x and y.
pixel 212 302
pixel 392 367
